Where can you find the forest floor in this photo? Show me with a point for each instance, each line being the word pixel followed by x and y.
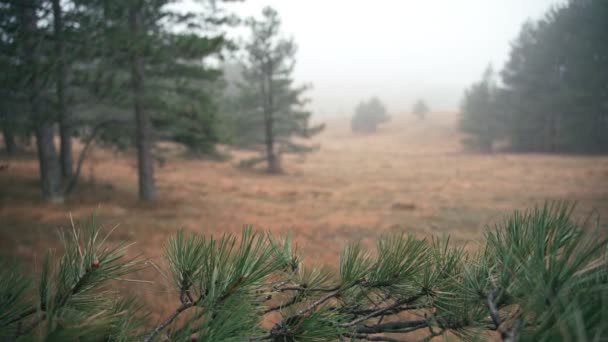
pixel 411 176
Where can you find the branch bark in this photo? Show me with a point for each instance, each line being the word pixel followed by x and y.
pixel 168 321
pixel 392 326
pixel 83 153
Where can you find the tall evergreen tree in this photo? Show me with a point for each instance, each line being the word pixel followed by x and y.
pixel 271 106
pixel 65 129
pixel 32 65
pixel 553 96
pixel 480 113
pixel 555 80
pixel 142 64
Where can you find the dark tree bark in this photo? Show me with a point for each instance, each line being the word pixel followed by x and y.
pixel 50 171
pixel 145 162
pixel 273 160
pixel 9 138
pixel 65 129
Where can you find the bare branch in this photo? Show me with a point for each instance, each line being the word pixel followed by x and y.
pixel 396 326
pixel 492 308
pixel 168 321
pixel 21 316
pixel 373 338
pixel 394 308
pixel 83 153
pixel 290 302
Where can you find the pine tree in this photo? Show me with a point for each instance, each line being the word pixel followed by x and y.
pixel 480 113
pixel 65 128
pixel 420 109
pixel 32 65
pixel 368 115
pixel 270 105
pixel 554 79
pixel 139 64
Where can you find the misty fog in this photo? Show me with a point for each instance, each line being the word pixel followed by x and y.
pixel 398 50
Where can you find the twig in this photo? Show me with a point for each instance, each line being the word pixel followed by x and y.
pixel 383 311
pixel 292 301
pixel 21 316
pixel 168 321
pixel 393 326
pixel 305 289
pixel 318 302
pixel 72 182
pixel 372 338
pixel 511 334
pixel 492 308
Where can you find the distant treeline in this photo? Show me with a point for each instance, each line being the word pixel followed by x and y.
pixel 552 94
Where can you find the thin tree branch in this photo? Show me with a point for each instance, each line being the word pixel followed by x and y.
pixel 392 326
pixel 318 302
pixel 394 308
pixel 83 153
pixel 492 308
pixel 21 316
pixel 290 302
pixel 304 289
pixel 373 338
pixel 261 338
pixel 168 321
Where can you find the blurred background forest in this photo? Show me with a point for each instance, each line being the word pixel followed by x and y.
pixel 150 114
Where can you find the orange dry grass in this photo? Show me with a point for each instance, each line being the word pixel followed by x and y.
pixel 408 177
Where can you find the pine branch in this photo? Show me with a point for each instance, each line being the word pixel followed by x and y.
pixel 169 320
pixel 290 302
pixel 396 326
pixel 304 289
pixel 320 301
pixel 373 338
pixel 394 308
pixel 492 308
pixel 21 316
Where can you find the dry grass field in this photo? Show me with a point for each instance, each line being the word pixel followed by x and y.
pixel 409 177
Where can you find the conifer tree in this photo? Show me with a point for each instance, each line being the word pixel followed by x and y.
pixel 270 105
pixel 140 64
pixel 30 52
pixel 420 109
pixel 61 70
pixel 552 92
pixel 368 115
pixel 480 113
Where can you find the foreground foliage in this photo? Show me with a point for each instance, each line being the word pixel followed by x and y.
pixel 539 277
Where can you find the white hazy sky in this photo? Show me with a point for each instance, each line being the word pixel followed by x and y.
pixel 398 50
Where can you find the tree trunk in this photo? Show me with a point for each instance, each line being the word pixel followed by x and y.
pixel 65 130
pixel 50 172
pixel 9 138
pixel 143 126
pixel 274 165
pixel 273 160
